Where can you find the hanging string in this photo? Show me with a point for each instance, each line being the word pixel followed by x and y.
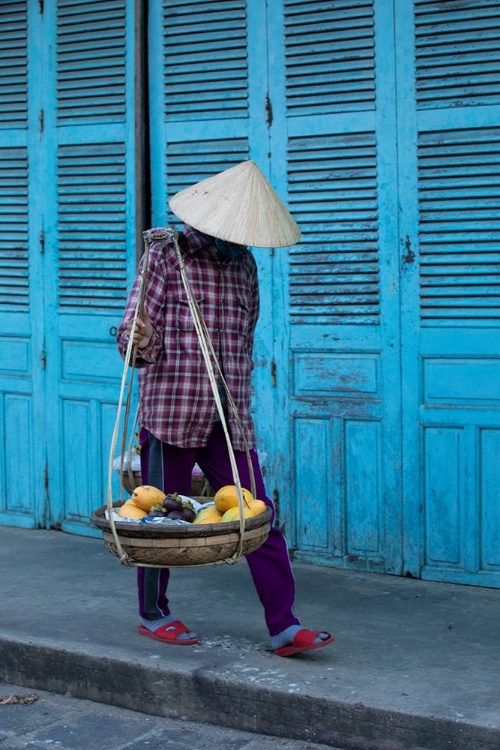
pixel 210 358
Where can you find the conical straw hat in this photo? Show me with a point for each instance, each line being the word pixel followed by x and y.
pixel 238 205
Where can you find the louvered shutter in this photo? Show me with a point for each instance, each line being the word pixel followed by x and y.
pixel 200 103
pixel 329 65
pixel 459 199
pixel 92 231
pixel 205 60
pixel 14 279
pixel 329 56
pixel 21 380
pixel 451 274
pixel 92 186
pixel 333 196
pixel 457 54
pixel 336 135
pixel 458 65
pixel 95 203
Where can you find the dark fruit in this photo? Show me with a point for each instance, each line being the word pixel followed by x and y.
pixel 188 514
pixel 175 515
pixel 156 514
pixel 171 504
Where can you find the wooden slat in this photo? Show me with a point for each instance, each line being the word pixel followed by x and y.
pixel 91 61
pixel 329 56
pixel 205 59
pixel 459 234
pixel 92 226
pixel 13 65
pixel 457 60
pixel 334 269
pixel 14 267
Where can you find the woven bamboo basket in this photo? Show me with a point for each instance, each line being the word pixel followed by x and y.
pixel 161 545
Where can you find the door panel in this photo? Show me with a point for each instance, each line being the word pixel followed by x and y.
pixel 68 166
pixel 208 118
pixel 22 459
pixel 304 108
pixel 450 273
pixel 333 144
pixel 94 241
pixel 200 105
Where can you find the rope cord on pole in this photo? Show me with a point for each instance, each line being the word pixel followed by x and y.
pixel 208 351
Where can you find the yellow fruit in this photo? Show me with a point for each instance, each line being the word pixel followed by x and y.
pixel 208 515
pixel 227 497
pixel 258 506
pixel 145 496
pixel 130 510
pixel 233 514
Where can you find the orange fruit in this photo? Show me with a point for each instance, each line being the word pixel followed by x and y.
pixel 227 497
pixel 130 510
pixel 145 496
pixel 258 506
pixel 208 515
pixel 233 514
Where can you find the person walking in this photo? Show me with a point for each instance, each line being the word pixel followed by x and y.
pixel 180 424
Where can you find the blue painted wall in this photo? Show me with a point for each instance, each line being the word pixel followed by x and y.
pixel 377 356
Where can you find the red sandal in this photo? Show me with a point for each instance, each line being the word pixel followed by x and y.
pixel 169 634
pixel 304 640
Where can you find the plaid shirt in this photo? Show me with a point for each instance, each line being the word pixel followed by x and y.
pixel 176 400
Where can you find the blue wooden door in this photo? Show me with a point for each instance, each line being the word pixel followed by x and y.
pixel 333 141
pixel 210 109
pixel 91 240
pixel 449 129
pixel 77 132
pixel 22 375
pixel 252 79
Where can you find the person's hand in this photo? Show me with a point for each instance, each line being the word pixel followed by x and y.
pixel 143 331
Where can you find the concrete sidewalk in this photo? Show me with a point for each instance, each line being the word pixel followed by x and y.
pixel 414 665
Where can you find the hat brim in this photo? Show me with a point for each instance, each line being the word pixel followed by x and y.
pixel 238 205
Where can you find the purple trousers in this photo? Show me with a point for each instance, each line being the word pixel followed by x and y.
pixel 170 468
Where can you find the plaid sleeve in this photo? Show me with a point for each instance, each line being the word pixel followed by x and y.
pixel 254 312
pixel 154 302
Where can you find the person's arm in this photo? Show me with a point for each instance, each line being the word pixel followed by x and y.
pixel 149 330
pixel 254 312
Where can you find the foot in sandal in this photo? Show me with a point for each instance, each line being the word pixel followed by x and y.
pixel 297 640
pixel 168 630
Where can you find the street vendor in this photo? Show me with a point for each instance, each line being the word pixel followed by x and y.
pixel 180 424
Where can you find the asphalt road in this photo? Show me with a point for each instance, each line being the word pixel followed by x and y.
pixel 58 722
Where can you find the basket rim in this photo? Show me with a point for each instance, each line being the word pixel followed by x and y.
pixel 151 531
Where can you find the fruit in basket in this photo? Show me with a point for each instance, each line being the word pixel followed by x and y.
pixel 188 514
pixel 175 515
pixel 227 497
pixel 130 510
pixel 258 506
pixel 172 502
pixel 208 515
pixel 233 514
pixel 157 511
pixel 145 496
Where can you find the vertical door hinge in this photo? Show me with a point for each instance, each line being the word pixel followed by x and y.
pixel 42 241
pixel 269 111
pixel 41 120
pixel 273 373
pixel 43 359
